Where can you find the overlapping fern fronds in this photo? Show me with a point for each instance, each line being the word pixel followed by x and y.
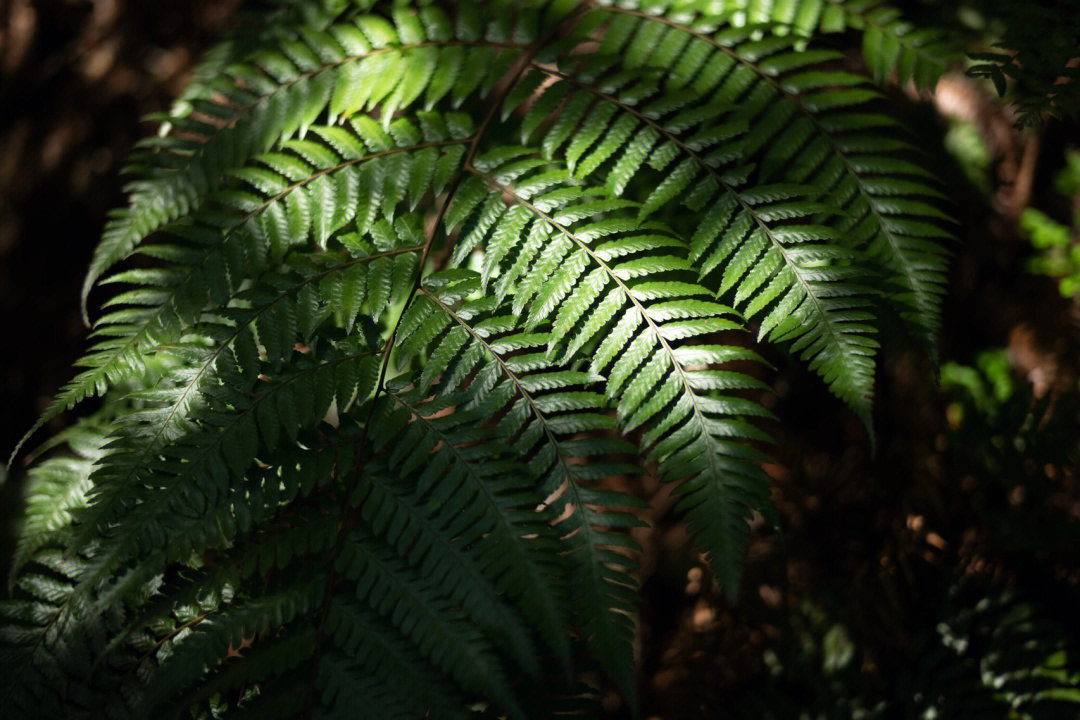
pixel 420 287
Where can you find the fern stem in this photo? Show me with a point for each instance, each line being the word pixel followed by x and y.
pixel 507 84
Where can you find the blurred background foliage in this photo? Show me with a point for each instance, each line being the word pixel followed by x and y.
pixel 1057 252
pixel 936 576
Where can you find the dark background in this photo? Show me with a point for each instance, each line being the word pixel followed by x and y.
pixel 876 538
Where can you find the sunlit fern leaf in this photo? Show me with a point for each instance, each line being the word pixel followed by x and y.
pixel 588 263
pixel 802 286
pixel 891 46
pixel 795 268
pixel 694 92
pixel 278 92
pixel 815 125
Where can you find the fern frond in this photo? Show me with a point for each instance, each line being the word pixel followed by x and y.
pixel 204 462
pixel 44 673
pixel 489 510
pixel 224 393
pixel 386 583
pixel 810 125
pixel 587 262
pixel 56 487
pixel 742 230
pixel 428 541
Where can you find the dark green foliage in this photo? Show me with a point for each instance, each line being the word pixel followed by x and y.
pixel 1035 57
pixel 416 287
pixel 987 653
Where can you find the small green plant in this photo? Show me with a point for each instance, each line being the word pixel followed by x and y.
pixel 1058 245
